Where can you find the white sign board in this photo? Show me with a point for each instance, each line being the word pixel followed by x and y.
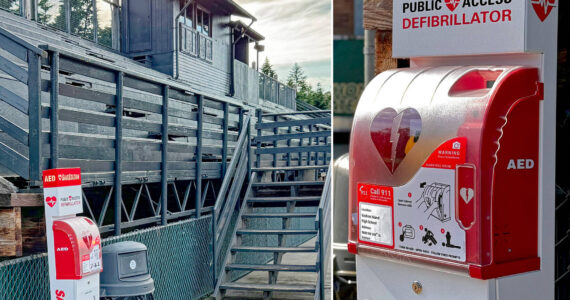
pixel 464 27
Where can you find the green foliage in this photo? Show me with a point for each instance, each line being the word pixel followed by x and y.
pixel 105 36
pixel 298 80
pixel 267 69
pixel 43 8
pixel 10 5
pixel 81 17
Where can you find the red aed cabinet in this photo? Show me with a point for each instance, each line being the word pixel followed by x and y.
pixel 77 247
pixel 444 168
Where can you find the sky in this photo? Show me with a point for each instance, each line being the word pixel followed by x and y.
pixel 295 31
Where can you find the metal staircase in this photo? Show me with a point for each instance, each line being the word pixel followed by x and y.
pixel 285 206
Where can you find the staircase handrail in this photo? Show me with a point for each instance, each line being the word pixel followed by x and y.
pixel 237 175
pixel 12 37
pixel 232 167
pixel 323 224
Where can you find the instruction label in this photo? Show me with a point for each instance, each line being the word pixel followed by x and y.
pixel 376 214
pixel 418 217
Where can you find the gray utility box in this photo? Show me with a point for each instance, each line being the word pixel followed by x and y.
pixel 125 271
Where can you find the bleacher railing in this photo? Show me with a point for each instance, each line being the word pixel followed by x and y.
pixel 290 141
pixel 150 150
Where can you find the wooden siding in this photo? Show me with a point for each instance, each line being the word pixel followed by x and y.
pixel 247 83
pixel 211 76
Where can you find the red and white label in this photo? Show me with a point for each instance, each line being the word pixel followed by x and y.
pixel 61 177
pixel 448 155
pixel 376 215
pixel 420 216
pixel 62 192
pixel 432 28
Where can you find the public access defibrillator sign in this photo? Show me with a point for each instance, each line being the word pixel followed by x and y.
pixel 62 191
pixel 464 27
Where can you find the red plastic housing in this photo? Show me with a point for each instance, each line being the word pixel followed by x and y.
pixel 77 246
pixel 405 118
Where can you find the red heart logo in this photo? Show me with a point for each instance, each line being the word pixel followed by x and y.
pixel 395 134
pixel 452 4
pixel 88 240
pixel 51 201
pixel 542 8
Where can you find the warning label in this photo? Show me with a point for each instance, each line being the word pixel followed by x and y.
pixel 419 216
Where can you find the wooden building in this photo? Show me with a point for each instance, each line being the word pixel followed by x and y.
pixel 192 41
pixel 78 76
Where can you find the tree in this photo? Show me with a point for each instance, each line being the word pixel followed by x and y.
pixel 105 36
pixel 81 18
pixel 318 98
pixel 268 70
pixel 11 5
pixel 43 7
pixel 297 79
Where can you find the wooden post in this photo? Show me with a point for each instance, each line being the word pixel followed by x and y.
pixel 34 117
pixel 199 155
pixel 289 131
pixel 54 107
pixel 275 144
pixel 383 45
pixel 164 158
pixel 248 148
pixel 259 115
pixel 225 139
pixel 301 145
pixel 118 150
pixel 309 153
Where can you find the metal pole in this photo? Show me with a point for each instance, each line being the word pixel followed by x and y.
pixel 369 55
pixel 199 155
pixel 54 107
pixel 164 172
pixel 118 150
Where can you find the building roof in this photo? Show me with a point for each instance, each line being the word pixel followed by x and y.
pixel 232 7
pixel 252 34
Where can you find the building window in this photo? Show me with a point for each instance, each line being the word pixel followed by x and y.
pixel 195 35
pixel 52 13
pixel 82 21
pixel 187 17
pixel 108 23
pixel 94 20
pixel 203 22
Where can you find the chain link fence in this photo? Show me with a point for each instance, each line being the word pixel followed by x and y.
pixel 179 261
pixel 179 255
